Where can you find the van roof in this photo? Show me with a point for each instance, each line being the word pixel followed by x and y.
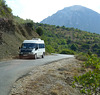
pixel 34 41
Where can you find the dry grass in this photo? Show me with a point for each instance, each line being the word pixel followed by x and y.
pixel 51 79
pixel 12 40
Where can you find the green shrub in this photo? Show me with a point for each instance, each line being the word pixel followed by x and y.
pixel 50 49
pixel 90 81
pixel 40 31
pixel 81 56
pixel 74 47
pixel 93 61
pixel 10 10
pixel 67 51
pixel 3 12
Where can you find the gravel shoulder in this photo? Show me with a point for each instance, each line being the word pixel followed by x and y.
pixel 52 79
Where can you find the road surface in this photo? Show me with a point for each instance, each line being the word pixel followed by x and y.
pixel 11 70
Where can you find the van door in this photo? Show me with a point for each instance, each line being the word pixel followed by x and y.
pixel 37 49
pixel 41 49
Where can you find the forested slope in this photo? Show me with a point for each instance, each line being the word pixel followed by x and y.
pixel 58 38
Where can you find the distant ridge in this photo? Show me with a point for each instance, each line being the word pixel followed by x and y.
pixel 76 16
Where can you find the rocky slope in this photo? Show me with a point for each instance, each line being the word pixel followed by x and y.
pixel 12 33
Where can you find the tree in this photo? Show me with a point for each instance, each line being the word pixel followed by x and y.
pixel 69 40
pixel 95 47
pixel 2 2
pixel 67 51
pixel 29 23
pixel 50 49
pixel 85 46
pixel 40 31
pixel 63 42
pixel 74 47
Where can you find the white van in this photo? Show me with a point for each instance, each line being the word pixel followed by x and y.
pixel 32 48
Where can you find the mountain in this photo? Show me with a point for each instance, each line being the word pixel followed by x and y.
pixel 76 16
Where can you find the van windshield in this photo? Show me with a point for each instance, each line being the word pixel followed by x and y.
pixel 28 45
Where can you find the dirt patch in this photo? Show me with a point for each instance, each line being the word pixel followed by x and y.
pixel 52 79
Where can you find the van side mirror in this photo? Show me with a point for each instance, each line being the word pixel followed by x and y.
pixel 19 47
pixel 36 48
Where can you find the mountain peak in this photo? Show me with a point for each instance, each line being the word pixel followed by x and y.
pixel 76 16
pixel 78 7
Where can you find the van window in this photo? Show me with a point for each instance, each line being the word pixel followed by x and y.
pixel 41 46
pixel 28 45
pixel 36 46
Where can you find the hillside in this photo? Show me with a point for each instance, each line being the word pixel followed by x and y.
pixel 12 33
pixel 70 40
pixel 13 30
pixel 76 16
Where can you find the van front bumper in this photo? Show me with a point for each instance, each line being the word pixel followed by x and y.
pixel 26 56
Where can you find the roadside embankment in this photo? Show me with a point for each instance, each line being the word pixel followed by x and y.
pixel 52 79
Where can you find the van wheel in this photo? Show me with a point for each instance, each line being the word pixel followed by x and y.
pixel 43 56
pixel 35 56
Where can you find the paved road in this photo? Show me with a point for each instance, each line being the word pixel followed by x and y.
pixel 11 70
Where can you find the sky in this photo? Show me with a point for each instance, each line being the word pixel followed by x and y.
pixel 37 10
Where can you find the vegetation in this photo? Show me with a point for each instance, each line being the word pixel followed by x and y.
pixel 39 30
pixel 89 83
pixel 5 11
pixel 60 38
pixel 67 51
pixel 81 56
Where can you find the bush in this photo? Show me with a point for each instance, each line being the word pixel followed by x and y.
pixel 50 49
pixel 93 61
pixel 90 81
pixel 10 10
pixel 81 56
pixel 40 31
pixel 74 47
pixel 67 51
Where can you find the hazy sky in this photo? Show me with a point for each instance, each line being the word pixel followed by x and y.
pixel 37 10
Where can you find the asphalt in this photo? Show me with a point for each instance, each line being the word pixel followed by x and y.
pixel 11 70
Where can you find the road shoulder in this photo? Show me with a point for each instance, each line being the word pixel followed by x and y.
pixel 52 79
